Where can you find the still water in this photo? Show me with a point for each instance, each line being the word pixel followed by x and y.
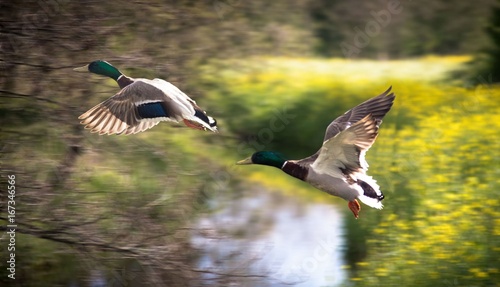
pixel 287 240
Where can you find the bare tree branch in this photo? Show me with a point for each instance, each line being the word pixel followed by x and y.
pixel 9 94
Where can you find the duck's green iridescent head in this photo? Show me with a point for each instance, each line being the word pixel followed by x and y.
pixel 270 158
pixel 101 67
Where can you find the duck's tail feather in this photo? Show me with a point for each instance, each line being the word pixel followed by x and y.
pixel 372 202
pixel 209 122
pixel 372 196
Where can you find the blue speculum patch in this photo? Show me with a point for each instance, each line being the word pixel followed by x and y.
pixel 152 110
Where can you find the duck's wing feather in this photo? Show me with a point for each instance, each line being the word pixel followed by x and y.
pixel 377 107
pixel 140 106
pixel 137 107
pixel 344 153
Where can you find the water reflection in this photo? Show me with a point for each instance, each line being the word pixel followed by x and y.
pixel 290 241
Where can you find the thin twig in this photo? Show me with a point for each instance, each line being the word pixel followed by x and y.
pixel 9 94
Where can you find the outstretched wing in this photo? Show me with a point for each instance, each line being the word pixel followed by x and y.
pixel 140 106
pixel 377 107
pixel 344 154
pixel 137 107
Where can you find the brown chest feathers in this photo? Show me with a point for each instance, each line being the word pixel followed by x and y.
pixel 124 81
pixel 295 170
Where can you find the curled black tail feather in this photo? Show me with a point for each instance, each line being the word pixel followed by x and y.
pixel 369 191
pixel 203 116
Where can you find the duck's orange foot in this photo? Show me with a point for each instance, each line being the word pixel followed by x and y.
pixel 354 207
pixel 194 125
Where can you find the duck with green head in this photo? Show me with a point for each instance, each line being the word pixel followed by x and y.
pixel 339 167
pixel 141 104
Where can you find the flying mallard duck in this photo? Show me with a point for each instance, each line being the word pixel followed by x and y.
pixel 140 105
pixel 339 167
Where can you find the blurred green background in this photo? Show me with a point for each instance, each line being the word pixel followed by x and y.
pixel 126 210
